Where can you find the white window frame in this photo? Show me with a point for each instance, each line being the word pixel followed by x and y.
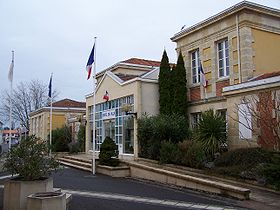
pixel 244 121
pixel 195 66
pixel 223 58
pixel 195 118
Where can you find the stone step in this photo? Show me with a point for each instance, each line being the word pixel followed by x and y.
pixel 76 165
pixel 78 159
pixel 75 162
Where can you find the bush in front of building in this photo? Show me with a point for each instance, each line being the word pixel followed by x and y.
pixel 156 129
pixel 168 152
pixel 255 164
pixel 109 153
pixel 82 137
pixel 191 154
pixel 271 170
pixel 211 132
pixel 74 147
pixel 187 153
pixel 61 137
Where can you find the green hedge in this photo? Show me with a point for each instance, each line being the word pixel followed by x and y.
pixel 156 129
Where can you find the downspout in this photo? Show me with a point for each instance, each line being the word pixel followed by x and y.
pixel 238 49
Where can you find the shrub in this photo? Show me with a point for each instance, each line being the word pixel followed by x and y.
pixel 251 163
pixel 191 154
pixel 29 160
pixel 82 137
pixel 168 152
pixel 243 156
pixel 61 137
pixel 74 147
pixel 156 129
pixel 109 153
pixel 211 132
pixel 271 171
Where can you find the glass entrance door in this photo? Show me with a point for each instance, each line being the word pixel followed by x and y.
pixel 109 129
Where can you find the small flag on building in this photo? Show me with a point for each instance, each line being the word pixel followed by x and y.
pixel 106 96
pixel 11 70
pixel 90 62
pixel 50 87
pixel 202 76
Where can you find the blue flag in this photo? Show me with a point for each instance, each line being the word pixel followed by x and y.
pixel 50 87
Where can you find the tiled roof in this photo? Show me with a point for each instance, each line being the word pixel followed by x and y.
pixel 69 103
pixel 142 62
pixel 266 75
pixel 126 77
pixel 8 132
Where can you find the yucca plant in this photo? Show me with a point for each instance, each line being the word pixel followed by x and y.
pixel 211 132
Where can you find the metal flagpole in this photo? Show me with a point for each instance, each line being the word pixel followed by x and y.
pixel 93 117
pixel 11 95
pixel 51 117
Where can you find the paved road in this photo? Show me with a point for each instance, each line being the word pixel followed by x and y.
pixel 107 193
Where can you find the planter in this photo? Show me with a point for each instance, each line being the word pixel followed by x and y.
pixel 117 171
pixel 47 201
pixel 16 192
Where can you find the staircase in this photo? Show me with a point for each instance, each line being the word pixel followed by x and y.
pixel 76 162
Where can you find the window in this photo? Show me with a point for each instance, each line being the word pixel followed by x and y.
pixel 223 58
pixel 244 121
pixel 195 66
pixel 195 117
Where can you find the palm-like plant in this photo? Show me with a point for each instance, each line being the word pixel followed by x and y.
pixel 211 132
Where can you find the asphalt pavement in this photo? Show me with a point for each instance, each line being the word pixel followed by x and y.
pixel 106 193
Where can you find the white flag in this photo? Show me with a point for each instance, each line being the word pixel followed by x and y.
pixel 11 71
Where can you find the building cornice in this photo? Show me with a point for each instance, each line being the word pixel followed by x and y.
pixel 57 109
pixel 228 12
pixel 252 86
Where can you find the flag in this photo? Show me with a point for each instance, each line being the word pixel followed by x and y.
pixel 106 96
pixel 90 62
pixel 11 71
pixel 202 76
pixel 50 87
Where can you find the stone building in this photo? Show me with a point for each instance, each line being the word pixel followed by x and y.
pixel 62 111
pixel 124 91
pixel 234 48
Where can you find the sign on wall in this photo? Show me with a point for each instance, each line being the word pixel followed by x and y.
pixel 108 114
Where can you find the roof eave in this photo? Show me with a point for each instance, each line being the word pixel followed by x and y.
pixel 225 13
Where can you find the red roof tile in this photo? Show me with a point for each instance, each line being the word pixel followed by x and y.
pixel 69 103
pixel 142 62
pixel 266 75
pixel 8 132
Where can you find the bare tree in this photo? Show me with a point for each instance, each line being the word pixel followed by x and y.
pixel 26 98
pixel 260 114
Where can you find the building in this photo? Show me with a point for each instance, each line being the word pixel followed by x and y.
pixel 14 136
pixel 61 111
pixel 238 52
pixel 124 92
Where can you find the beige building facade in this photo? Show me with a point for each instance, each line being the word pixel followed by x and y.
pixel 62 111
pixel 130 89
pixel 232 47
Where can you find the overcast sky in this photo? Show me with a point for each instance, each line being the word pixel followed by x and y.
pixel 57 35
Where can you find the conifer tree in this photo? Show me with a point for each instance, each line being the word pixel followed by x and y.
pixel 165 101
pixel 180 88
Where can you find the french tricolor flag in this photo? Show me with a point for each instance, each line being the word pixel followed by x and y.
pixel 106 96
pixel 203 80
pixel 90 62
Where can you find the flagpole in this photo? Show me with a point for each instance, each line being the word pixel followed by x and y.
pixel 93 117
pixel 11 95
pixel 51 119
